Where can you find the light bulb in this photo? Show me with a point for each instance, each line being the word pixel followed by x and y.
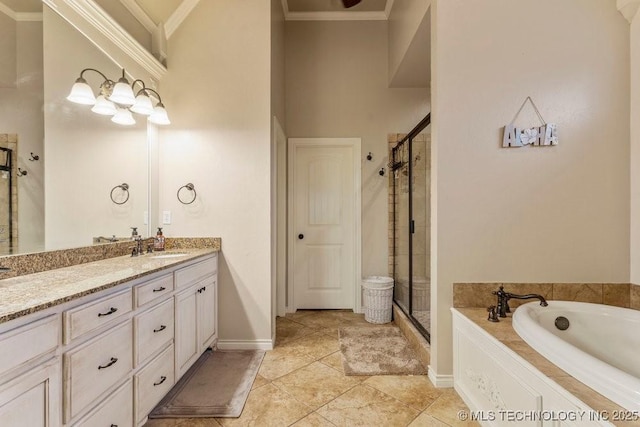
pixel 143 105
pixel 122 93
pixel 159 116
pixel 104 107
pixel 123 117
pixel 81 93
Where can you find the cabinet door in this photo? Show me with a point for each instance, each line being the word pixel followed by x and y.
pixel 115 410
pixel 187 349
pixel 32 399
pixel 206 299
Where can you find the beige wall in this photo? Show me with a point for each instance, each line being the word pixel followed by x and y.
pixel 8 54
pixel 404 21
pixel 86 154
pixel 277 62
pixel 218 90
pixel 531 214
pixel 21 113
pixel 278 165
pixel 336 86
pixel 634 234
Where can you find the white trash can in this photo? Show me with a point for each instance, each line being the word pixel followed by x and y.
pixel 377 298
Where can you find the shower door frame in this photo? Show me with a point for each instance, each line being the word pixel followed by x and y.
pixel 408 139
pixel 8 167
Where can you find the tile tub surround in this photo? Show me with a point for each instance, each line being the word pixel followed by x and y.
pixel 23 295
pixel 480 294
pixel 503 331
pixel 43 261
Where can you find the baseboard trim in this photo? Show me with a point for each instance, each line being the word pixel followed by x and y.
pixel 245 344
pixel 440 381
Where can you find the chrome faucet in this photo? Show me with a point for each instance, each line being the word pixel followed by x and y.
pixel 502 306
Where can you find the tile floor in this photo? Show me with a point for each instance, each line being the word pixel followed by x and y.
pixel 301 384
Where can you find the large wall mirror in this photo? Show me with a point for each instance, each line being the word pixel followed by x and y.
pixel 66 159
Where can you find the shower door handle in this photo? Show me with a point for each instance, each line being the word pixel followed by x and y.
pixel 300 236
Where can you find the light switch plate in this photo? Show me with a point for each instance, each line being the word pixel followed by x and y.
pixel 166 217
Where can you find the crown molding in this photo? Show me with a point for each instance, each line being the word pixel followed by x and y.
pixel 178 16
pixel 336 16
pixel 139 14
pixel 88 18
pixel 20 16
pixel 628 8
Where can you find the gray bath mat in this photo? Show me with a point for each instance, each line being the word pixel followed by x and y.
pixel 377 350
pixel 217 385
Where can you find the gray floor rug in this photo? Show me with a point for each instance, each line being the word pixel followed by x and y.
pixel 377 350
pixel 217 385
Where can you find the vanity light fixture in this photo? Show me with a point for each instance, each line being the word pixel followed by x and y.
pixel 117 99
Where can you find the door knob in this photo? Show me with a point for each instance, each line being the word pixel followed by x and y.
pixel 300 236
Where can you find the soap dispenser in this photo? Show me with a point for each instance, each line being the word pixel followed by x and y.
pixel 158 242
pixel 134 233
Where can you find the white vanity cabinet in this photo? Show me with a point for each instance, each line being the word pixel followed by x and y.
pixel 107 358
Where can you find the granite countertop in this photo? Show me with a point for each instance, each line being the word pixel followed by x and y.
pixel 503 331
pixel 23 295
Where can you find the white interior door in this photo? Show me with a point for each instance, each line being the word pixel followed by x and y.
pixel 324 222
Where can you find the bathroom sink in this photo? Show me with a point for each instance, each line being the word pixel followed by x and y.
pixel 169 255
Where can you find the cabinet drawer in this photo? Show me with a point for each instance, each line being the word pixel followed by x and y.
pixel 115 410
pixel 28 342
pixel 154 289
pixel 189 275
pixel 93 315
pixel 96 366
pixel 153 329
pixel 153 382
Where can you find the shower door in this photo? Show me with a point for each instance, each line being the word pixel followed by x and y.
pixel 6 202
pixel 410 188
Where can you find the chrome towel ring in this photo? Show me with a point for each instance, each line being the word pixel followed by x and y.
pixel 125 189
pixel 191 188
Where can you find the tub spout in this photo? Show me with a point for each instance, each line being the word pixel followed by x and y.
pixel 502 306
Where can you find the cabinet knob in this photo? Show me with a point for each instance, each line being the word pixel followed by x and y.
pixel 300 236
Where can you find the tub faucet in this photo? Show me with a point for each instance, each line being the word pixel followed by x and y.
pixel 502 306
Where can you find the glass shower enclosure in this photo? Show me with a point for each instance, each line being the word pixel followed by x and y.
pixel 410 168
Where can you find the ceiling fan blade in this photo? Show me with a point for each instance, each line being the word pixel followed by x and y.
pixel 350 3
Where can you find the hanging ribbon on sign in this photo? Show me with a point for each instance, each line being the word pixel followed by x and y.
pixel 546 134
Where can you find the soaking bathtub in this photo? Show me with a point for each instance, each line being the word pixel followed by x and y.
pixel 600 347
